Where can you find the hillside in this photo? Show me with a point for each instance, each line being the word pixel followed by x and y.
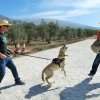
pixel 62 23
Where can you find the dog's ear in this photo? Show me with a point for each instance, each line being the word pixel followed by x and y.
pixel 64 46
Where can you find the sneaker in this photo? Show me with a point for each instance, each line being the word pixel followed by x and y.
pixel 90 74
pixel 19 82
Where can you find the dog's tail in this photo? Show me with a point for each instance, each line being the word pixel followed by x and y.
pixel 42 75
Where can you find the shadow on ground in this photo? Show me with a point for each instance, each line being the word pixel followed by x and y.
pixel 6 87
pixel 36 90
pixel 80 91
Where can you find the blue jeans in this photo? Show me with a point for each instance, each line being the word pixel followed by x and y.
pixel 95 64
pixel 10 64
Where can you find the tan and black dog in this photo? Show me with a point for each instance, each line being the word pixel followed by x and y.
pixel 57 63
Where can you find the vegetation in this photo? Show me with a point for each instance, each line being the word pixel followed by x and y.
pixel 46 33
pixel 29 32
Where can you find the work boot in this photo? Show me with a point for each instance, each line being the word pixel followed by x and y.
pixel 91 75
pixel 19 82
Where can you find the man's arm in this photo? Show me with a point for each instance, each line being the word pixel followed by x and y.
pixel 3 56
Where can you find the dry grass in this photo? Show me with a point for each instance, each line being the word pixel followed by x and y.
pixel 39 46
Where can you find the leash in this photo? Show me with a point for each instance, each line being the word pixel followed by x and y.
pixel 35 57
pixel 19 53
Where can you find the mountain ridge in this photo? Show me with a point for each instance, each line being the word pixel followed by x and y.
pixel 62 23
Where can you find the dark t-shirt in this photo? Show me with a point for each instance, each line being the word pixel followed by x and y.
pixel 3 44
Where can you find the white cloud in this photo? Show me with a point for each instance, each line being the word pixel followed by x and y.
pixel 56 14
pixel 63 9
pixel 77 12
pixel 42 14
pixel 80 7
pixel 54 3
pixel 87 4
pixel 72 3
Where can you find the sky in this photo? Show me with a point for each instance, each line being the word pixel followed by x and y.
pixel 85 12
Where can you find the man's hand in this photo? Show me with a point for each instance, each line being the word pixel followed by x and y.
pixel 2 56
pixel 11 52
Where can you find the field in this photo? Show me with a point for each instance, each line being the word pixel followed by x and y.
pixel 36 46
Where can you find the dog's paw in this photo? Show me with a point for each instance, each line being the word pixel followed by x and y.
pixel 48 85
pixel 53 82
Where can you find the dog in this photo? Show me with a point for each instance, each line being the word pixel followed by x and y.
pixel 57 63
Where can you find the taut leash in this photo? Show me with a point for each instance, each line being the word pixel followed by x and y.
pixel 19 53
pixel 35 57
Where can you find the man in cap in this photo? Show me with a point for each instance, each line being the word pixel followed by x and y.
pixel 5 59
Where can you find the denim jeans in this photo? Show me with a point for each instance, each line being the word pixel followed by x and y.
pixel 95 64
pixel 10 64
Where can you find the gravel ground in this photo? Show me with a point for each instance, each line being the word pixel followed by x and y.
pixel 76 86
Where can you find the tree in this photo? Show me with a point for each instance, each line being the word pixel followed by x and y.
pixel 52 30
pixel 29 30
pixel 42 30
